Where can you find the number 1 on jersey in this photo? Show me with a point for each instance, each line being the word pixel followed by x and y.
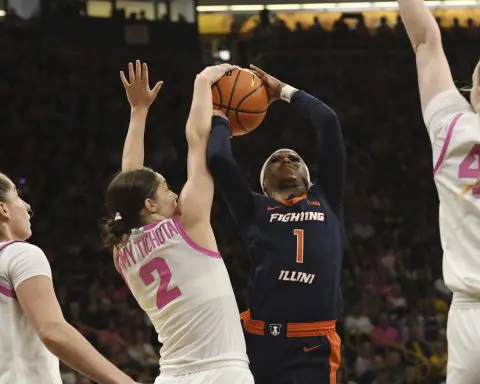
pixel 299 235
pixel 164 295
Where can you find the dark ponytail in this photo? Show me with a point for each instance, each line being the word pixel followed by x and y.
pixel 125 200
pixel 113 232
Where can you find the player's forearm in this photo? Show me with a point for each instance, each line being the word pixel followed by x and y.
pixel 133 150
pixel 198 123
pixel 226 172
pixel 73 349
pixel 419 22
pixel 329 143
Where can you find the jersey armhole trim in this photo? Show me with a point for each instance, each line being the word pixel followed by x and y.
pixel 446 143
pixel 9 292
pixel 191 243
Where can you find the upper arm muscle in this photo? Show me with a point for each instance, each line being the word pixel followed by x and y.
pixel 37 298
pixel 197 194
pixel 434 74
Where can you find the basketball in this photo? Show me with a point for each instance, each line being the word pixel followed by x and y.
pixel 241 95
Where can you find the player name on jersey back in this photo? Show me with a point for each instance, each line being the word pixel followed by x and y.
pixel 186 292
pixel 143 245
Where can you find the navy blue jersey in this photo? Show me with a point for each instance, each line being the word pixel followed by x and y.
pixel 295 245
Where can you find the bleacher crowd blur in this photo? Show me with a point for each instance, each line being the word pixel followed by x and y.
pixel 64 117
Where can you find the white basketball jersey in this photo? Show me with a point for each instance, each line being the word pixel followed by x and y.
pixel 454 130
pixel 23 357
pixel 186 292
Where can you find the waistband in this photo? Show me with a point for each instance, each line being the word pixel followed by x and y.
pixel 260 327
pixel 201 366
pixel 462 300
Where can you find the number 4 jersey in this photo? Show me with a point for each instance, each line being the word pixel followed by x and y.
pixel 186 292
pixel 454 130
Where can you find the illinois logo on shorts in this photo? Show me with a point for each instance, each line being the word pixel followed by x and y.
pixel 275 329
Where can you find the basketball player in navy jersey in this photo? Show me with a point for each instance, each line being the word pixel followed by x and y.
pixel 294 233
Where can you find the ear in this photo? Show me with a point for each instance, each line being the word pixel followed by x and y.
pixel 150 206
pixel 4 212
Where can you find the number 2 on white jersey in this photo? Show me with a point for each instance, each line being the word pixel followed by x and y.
pixel 164 295
pixel 299 235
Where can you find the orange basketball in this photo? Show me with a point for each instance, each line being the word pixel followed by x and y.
pixel 241 95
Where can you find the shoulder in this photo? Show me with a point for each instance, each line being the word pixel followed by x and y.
pixel 442 110
pixel 24 260
pixel 20 249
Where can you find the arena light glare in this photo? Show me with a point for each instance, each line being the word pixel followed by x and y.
pixel 355 5
pixel 2 13
pixel 213 8
pixel 460 3
pixel 246 8
pixel 335 7
pixel 284 7
pixel 317 6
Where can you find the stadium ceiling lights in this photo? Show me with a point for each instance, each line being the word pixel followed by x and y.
pixel 2 13
pixel 334 7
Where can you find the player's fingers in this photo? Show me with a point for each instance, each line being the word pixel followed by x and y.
pixel 157 88
pixel 258 70
pixel 145 74
pixel 226 67
pixel 138 71
pixel 124 79
pixel 131 73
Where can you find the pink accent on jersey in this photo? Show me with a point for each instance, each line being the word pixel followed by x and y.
pixel 164 295
pixel 4 290
pixel 7 243
pixel 7 291
pixel 441 158
pixel 150 226
pixel 191 243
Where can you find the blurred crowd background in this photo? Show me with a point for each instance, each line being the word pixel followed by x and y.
pixel 64 117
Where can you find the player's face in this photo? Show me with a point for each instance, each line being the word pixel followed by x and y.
pixel 286 168
pixel 166 199
pixel 16 213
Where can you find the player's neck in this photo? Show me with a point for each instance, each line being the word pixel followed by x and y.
pixel 285 193
pixel 154 218
pixel 6 235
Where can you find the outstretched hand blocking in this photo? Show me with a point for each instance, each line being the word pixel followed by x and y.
pixel 137 86
pixel 213 73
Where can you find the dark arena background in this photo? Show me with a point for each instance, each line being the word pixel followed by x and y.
pixel 64 116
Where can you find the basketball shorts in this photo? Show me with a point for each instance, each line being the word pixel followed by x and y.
pixel 223 375
pixel 463 334
pixel 299 360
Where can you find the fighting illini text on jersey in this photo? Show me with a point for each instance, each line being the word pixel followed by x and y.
pixel 454 130
pixel 186 292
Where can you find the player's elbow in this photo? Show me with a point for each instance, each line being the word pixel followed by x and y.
pixel 52 333
pixel 196 134
pixel 429 40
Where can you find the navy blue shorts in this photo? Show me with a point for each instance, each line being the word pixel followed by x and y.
pixel 277 359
